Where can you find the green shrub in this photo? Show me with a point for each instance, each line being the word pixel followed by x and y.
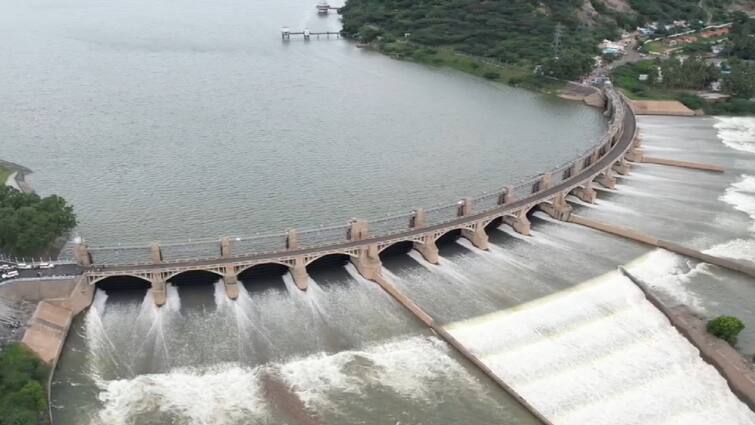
pixel 691 101
pixel 491 75
pixel 726 328
pixel 23 400
pixel 732 107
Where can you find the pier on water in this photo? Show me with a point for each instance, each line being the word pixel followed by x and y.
pixel 286 34
pixel 323 8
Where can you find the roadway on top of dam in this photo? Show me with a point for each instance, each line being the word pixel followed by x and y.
pixel 613 154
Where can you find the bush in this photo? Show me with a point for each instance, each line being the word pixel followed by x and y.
pixel 691 101
pixel 732 107
pixel 23 400
pixel 726 328
pixel 491 75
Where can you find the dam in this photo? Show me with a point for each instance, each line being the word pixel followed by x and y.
pixel 251 321
pixel 289 352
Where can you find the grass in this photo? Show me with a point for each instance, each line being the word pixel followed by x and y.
pixel 4 174
pixel 514 75
pixel 654 47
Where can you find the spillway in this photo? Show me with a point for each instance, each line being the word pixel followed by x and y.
pixel 276 355
pixel 601 353
pixel 548 313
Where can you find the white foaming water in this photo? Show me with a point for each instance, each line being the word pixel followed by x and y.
pixel 741 196
pixel 221 394
pixel 497 255
pixel 407 367
pixel 232 394
pixel 670 274
pixel 600 353
pixel 737 132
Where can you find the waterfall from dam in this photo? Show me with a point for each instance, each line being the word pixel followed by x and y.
pixel 549 314
pixel 274 356
pixel 596 352
pixel 601 353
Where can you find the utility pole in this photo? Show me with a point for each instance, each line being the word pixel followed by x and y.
pixel 558 32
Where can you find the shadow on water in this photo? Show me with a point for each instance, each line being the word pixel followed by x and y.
pixel 196 290
pixel 264 277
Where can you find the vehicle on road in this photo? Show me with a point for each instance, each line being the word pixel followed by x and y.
pixel 10 274
pixel 45 265
pixel 23 266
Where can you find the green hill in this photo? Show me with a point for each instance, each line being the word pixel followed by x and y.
pixel 518 33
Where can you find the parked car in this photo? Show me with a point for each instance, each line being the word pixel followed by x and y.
pixel 23 266
pixel 45 265
pixel 4 267
pixel 10 274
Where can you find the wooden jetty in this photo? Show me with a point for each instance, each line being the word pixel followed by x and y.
pixel 307 34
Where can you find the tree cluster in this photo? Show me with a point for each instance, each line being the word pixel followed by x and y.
pixel 691 74
pixel 23 400
pixel 29 223
pixel 512 32
pixel 741 36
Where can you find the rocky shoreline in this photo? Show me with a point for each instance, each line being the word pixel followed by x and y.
pixel 19 175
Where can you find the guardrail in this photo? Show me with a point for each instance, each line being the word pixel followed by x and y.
pixel 383 227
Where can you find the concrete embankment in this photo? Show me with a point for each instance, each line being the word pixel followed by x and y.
pixel 729 363
pixel 660 107
pixel 591 96
pixel 425 318
pixel 669 246
pixel 683 164
pixel 58 301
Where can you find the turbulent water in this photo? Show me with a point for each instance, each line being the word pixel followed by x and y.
pixel 549 314
pixel 601 353
pixel 274 356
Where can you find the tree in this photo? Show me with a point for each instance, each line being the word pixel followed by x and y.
pixel 23 400
pixel 741 81
pixel 570 65
pixel 29 224
pixel 692 73
pixel 726 328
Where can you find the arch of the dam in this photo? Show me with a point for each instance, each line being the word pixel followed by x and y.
pixel 421 228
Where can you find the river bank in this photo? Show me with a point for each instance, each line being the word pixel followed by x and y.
pixel 515 76
pixel 14 175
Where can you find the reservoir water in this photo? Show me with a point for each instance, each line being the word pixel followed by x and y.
pixel 169 120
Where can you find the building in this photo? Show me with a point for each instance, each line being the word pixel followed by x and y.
pixel 715 32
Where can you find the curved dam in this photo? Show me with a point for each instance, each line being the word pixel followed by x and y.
pixel 321 355
pixel 253 322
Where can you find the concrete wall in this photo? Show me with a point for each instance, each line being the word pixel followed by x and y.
pixel 58 301
pixel 37 290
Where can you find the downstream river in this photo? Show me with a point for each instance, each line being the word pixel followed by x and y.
pixel 169 120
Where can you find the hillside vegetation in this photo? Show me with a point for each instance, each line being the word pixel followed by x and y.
pixel 516 33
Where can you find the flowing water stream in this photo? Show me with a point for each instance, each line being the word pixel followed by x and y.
pixel 548 313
